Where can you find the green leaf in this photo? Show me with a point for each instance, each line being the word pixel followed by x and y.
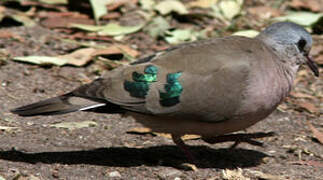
pixel 228 9
pixel 54 1
pixel 168 6
pixel 246 33
pixel 147 4
pixel 22 18
pixel 157 27
pixel 110 29
pixel 301 18
pixel 99 8
pixel 74 125
pixel 117 30
pixel 179 35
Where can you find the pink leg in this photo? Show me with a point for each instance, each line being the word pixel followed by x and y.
pixel 180 143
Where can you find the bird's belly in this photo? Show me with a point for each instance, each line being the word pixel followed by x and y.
pixel 194 126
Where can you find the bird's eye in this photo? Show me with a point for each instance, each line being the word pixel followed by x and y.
pixel 301 45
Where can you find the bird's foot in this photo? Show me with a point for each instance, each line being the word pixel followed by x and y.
pixel 180 143
pixel 238 138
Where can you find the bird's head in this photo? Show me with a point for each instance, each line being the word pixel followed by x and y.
pixel 292 41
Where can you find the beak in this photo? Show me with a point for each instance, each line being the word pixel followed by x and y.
pixel 313 66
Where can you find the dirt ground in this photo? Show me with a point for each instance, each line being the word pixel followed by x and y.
pixel 35 150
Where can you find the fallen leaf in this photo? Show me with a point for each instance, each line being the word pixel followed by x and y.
pixel 147 4
pixel 111 15
pixel 53 1
pixel 82 35
pixel 157 27
pixel 190 167
pixel 65 22
pixel 301 95
pixel 74 125
pixel 246 33
pixel 79 57
pixel 227 9
pixel 313 5
pixel 144 130
pixel 316 133
pixel 168 6
pixel 110 29
pixel 115 4
pixel 202 3
pixel 309 107
pixel 309 163
pixel 265 176
pixel 6 34
pixel 235 174
pixel 20 17
pixel 317 53
pixel 190 137
pixel 301 18
pixel 99 8
pixel 264 12
pixel 41 60
pixel 139 130
pixel 26 177
pixel 8 128
pixel 179 36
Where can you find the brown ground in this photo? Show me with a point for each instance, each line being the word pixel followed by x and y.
pixel 40 151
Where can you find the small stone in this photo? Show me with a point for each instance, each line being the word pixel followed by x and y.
pixel 169 173
pixel 114 174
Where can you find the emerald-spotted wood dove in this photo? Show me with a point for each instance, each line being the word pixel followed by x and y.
pixel 211 87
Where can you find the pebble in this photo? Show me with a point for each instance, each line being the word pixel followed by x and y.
pixel 114 174
pixel 169 173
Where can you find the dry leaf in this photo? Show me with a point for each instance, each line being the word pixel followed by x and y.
pixel 74 125
pixel 319 59
pixel 317 53
pixel 189 166
pixel 5 34
pixel 309 107
pixel 202 3
pixel 190 137
pixel 301 95
pixel 139 130
pixel 264 12
pixel 117 49
pixel 65 22
pixel 309 163
pixel 79 57
pixel 233 174
pixel 7 128
pixel 316 133
pixel 165 135
pixel 261 175
pixel 313 5
pixel 144 130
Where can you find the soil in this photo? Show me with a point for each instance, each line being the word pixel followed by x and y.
pixel 106 151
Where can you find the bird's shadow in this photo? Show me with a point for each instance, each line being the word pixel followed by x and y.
pixel 151 156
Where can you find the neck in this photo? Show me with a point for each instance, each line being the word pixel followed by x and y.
pixel 288 57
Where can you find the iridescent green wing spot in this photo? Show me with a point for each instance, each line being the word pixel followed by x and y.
pixel 173 90
pixel 139 87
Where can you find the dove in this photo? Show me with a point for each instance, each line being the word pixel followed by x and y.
pixel 210 87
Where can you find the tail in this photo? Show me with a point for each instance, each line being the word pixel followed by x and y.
pixel 58 105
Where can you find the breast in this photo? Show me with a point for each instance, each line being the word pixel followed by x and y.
pixel 267 87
